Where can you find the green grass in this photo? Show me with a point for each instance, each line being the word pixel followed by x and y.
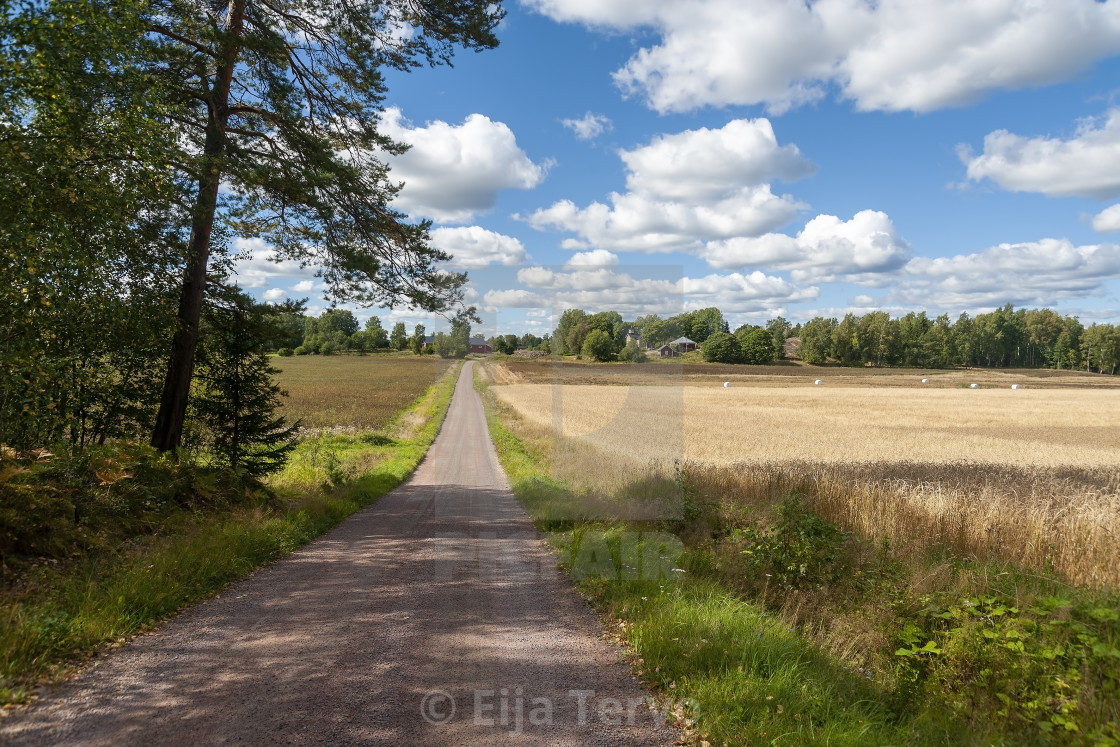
pixel 62 612
pixel 748 678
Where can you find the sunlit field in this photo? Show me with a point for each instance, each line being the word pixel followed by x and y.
pixel 718 425
pixel 1029 475
pixel 357 392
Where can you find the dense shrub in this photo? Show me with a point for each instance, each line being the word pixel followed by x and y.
pixel 598 346
pixel 284 352
pixel 756 344
pixel 66 504
pixel 800 549
pixel 633 353
pixel 722 347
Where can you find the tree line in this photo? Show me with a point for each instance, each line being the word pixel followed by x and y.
pixel 1006 337
pixel 338 331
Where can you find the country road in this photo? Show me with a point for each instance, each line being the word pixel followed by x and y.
pixel 435 617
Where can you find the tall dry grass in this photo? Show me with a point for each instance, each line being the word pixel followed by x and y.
pixel 1063 521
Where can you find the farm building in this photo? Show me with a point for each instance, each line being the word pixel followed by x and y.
pixel 633 335
pixel 683 345
pixel 666 351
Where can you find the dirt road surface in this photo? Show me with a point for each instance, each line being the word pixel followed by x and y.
pixel 435 617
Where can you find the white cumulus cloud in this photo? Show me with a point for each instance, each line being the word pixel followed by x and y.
pixel 1087 164
pixel 637 223
pixel 864 249
pixel 1107 220
pixel 890 55
pixel 685 188
pixel 474 247
pixel 703 164
pixel 625 291
pixel 1039 273
pixel 454 172
pixel 593 258
pixel 255 266
pixel 737 293
pixel 274 294
pixel 589 126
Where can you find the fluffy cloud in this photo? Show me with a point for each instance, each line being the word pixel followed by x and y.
pixel 1038 273
pixel 513 298
pixel 594 258
pixel 744 294
pixel 304 286
pixel 590 126
pixel 608 288
pixel 274 294
pixel 862 249
pixel 1107 220
pixel 474 247
pixel 688 187
pixel 704 164
pixel 454 172
pixel 1087 164
pixel 637 223
pixel 256 267
pixel 889 55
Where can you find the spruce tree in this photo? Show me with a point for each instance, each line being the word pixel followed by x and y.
pixel 235 399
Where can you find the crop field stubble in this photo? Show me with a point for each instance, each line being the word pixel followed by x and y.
pixel 1029 476
pixel 355 392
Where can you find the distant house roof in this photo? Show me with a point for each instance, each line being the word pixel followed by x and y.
pixel 429 339
pixel 683 341
pixel 478 341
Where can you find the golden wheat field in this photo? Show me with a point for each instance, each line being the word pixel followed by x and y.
pixel 1030 476
pixel 713 424
pixel 353 392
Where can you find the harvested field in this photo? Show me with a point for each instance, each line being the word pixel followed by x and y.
pixel 717 425
pixel 1029 476
pixel 789 374
pixel 354 392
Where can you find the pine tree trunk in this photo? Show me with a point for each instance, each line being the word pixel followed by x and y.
pixel 168 430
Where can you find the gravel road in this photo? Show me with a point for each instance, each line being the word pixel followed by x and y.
pixel 436 616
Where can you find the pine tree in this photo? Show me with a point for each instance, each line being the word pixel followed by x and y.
pixel 281 101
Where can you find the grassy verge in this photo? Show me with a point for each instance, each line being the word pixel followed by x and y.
pixel 773 626
pixel 59 612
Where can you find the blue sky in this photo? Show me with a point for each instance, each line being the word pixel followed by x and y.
pixel 766 157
